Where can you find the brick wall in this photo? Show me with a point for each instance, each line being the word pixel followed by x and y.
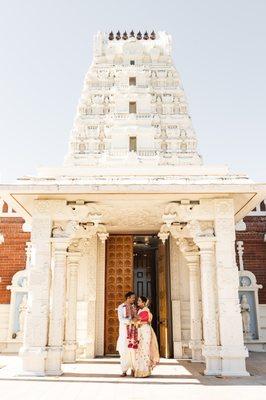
pixel 254 257
pixel 12 252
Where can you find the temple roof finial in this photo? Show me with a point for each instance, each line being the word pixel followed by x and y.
pixel 153 35
pixel 125 35
pixel 146 36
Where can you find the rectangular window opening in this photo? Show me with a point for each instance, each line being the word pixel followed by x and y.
pixel 132 81
pixel 132 62
pixel 132 143
pixel 132 107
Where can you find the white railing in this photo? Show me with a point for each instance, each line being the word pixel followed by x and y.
pixel 139 153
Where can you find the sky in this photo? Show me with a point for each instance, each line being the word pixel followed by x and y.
pixel 218 48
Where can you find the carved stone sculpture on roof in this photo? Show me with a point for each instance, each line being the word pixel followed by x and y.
pixel 101 137
pixel 103 73
pixel 169 78
pixel 164 145
pixel 159 106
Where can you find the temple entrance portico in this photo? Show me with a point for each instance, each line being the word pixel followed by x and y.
pixel 67 284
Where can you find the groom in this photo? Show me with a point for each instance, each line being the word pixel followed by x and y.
pixel 126 313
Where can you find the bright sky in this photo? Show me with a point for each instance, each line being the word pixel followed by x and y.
pixel 219 50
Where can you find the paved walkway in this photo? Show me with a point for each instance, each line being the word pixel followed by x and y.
pixel 99 380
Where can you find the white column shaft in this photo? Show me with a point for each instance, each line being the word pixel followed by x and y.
pixel 233 351
pixel 208 290
pixel 71 310
pixel 33 351
pixel 195 314
pixel 57 313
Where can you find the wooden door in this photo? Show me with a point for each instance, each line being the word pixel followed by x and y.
pixel 119 280
pixel 162 278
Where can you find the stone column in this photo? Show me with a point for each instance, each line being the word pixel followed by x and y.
pixel 100 298
pixel 91 296
pixel 210 349
pixel 57 312
pixel 175 298
pixel 233 351
pixel 70 344
pixel 34 351
pixel 195 344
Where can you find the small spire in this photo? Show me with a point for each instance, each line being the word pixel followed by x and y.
pixel 153 35
pixel 118 35
pixel 139 35
pixel 125 36
pixel 146 36
pixel 111 36
pixel 132 34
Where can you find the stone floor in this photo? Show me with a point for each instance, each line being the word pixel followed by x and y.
pixel 99 379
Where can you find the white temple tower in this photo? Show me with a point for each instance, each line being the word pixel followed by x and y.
pixel 133 107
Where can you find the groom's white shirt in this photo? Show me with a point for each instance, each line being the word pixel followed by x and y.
pixel 122 345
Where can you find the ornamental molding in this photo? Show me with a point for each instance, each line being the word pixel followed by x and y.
pixel 78 230
pixel 63 210
pixel 183 220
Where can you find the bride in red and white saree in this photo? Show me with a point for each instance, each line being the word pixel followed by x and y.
pixel 147 353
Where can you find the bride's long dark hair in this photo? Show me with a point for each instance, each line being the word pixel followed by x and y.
pixel 144 299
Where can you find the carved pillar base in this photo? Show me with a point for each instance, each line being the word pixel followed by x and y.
pixel 234 361
pixel 33 360
pixel 178 350
pixel 196 350
pixel 53 362
pixel 212 360
pixel 69 354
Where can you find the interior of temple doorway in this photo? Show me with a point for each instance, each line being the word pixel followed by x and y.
pixel 139 263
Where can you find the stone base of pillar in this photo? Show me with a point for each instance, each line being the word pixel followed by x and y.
pixel 33 360
pixel 225 361
pixel 89 350
pixel 69 353
pixel 233 361
pixel 212 360
pixel 178 350
pixel 196 350
pixel 53 361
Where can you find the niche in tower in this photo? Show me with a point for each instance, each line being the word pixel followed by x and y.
pixel 132 107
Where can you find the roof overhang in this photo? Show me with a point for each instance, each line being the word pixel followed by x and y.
pixel 133 197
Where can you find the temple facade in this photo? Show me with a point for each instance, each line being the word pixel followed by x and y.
pixel 133 207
